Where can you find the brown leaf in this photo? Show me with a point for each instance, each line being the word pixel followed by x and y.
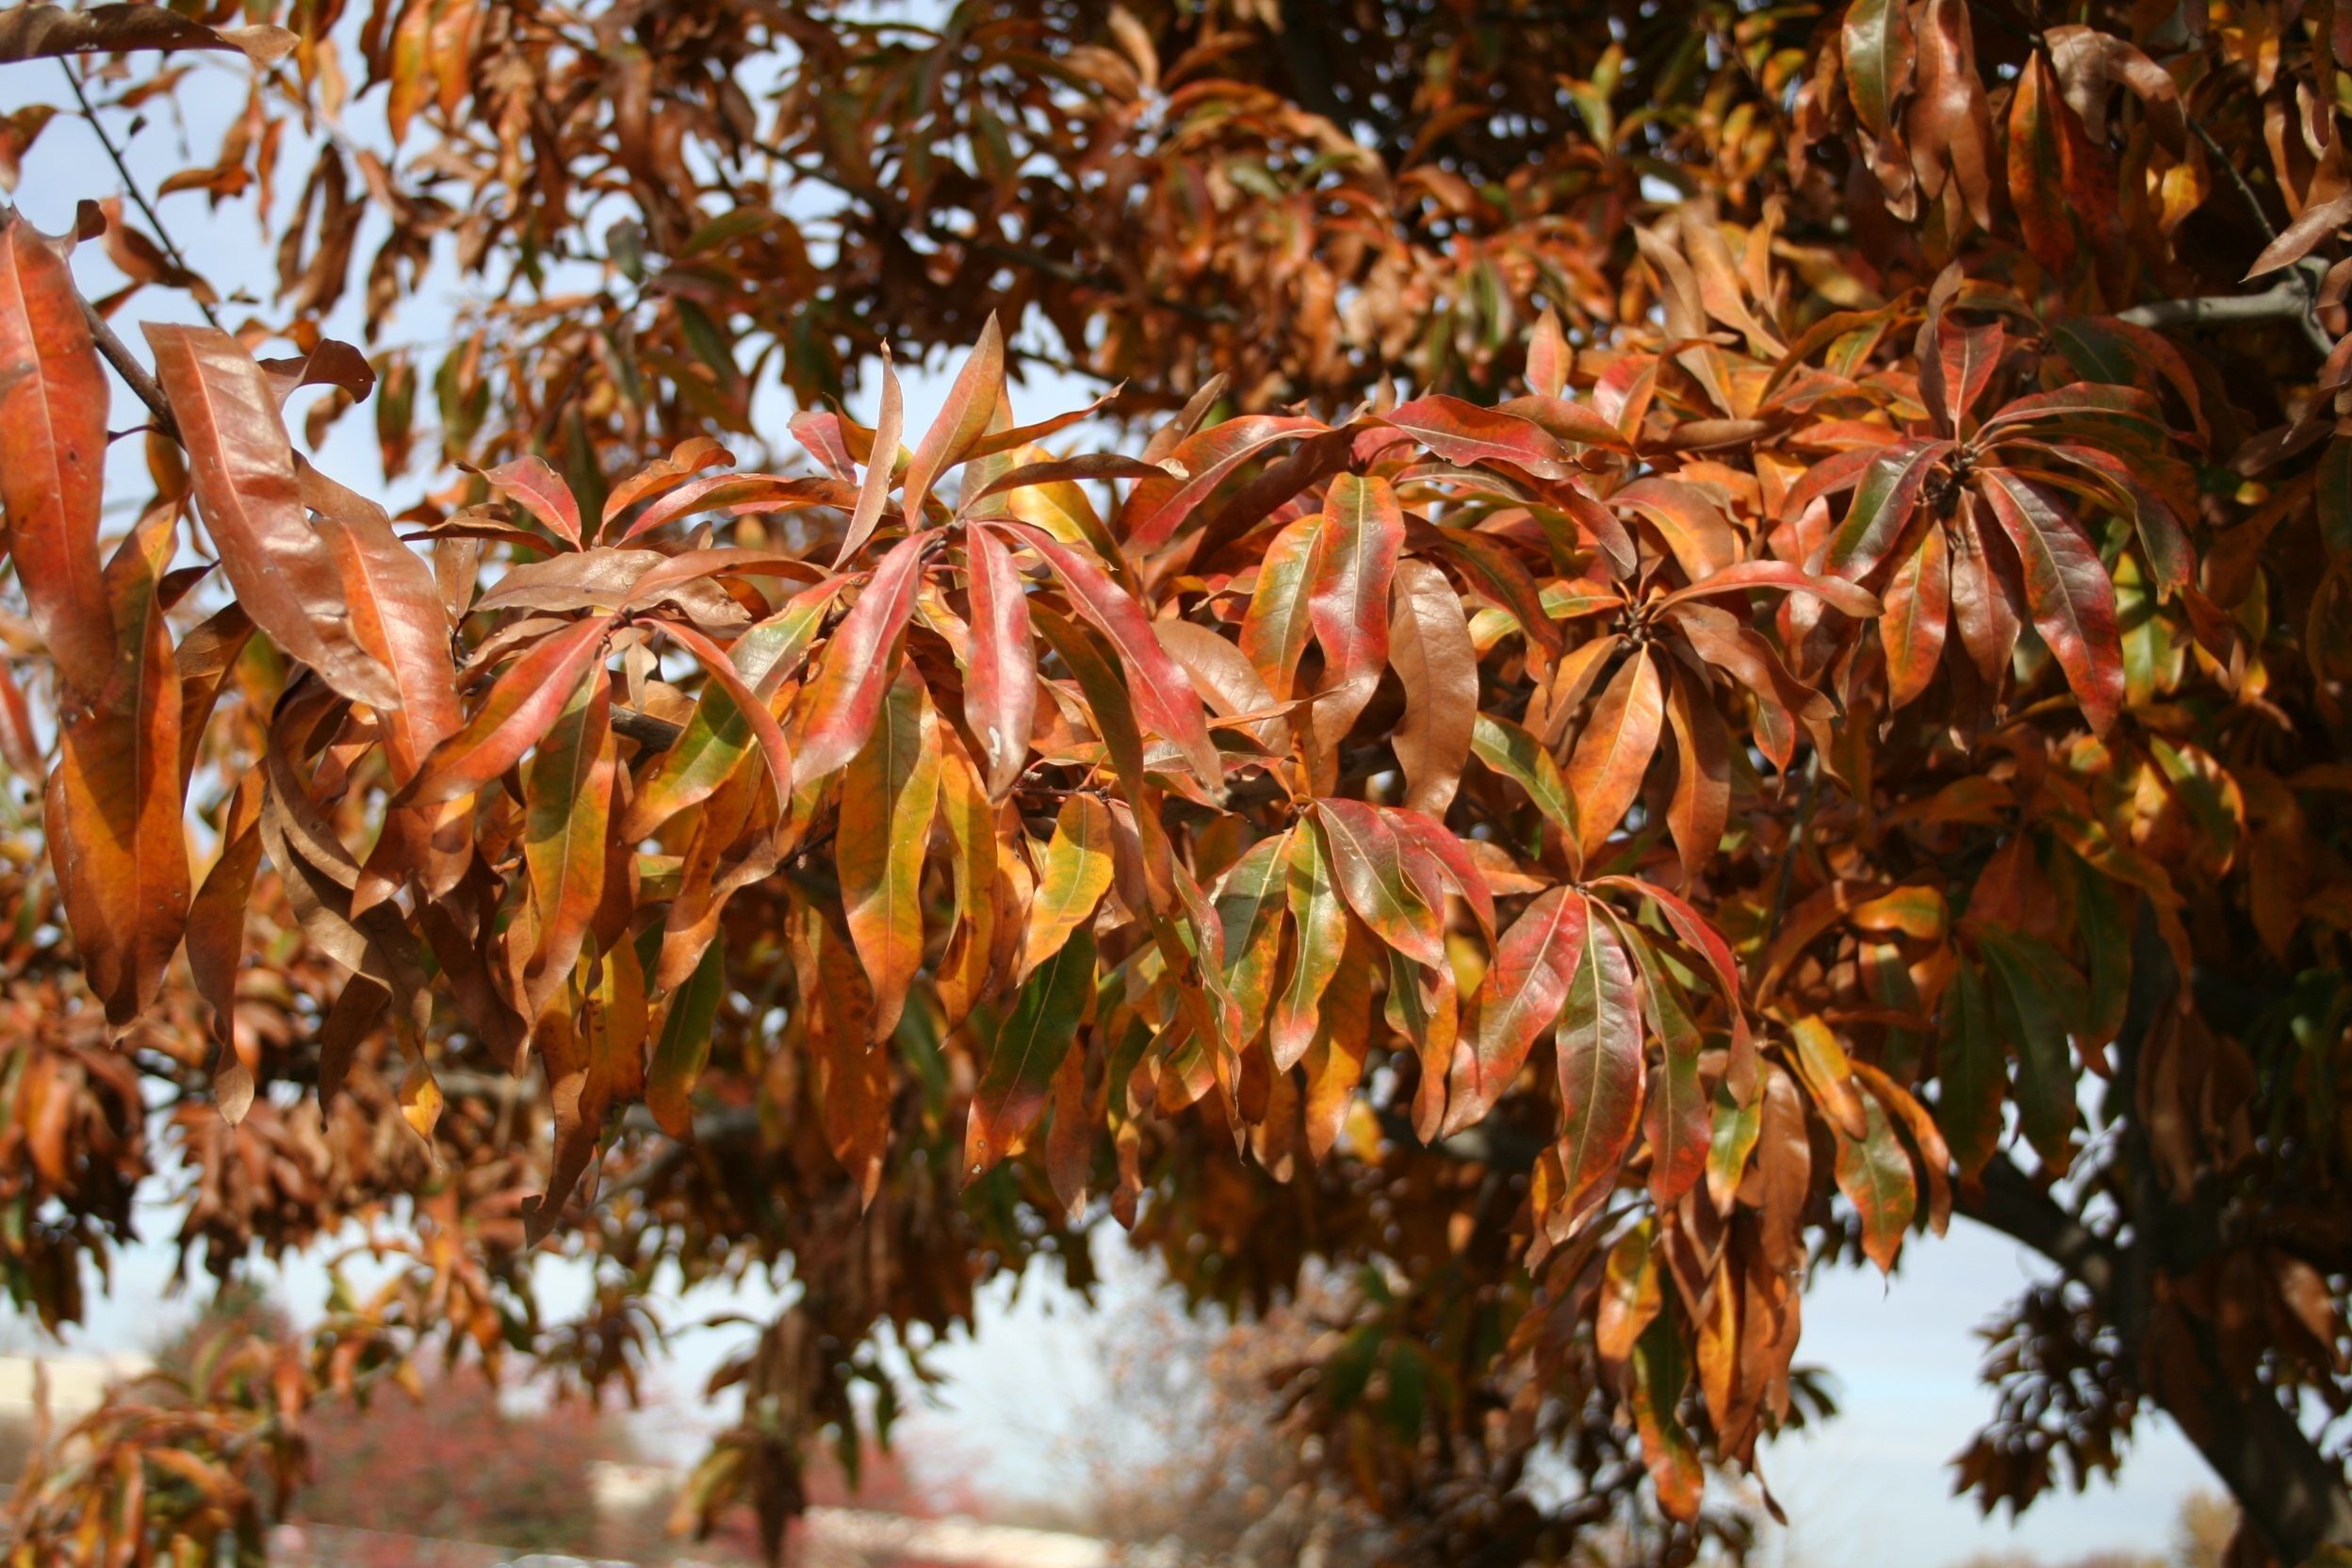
pixel 1429 648
pixel 242 468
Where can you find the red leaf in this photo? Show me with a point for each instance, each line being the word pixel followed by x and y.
pixel 1838 593
pixel 2067 591
pixel 53 455
pixel 1466 434
pixel 2316 223
pixel 888 798
pixel 1524 991
pixel 1369 859
pixel 1701 807
pixel 1983 592
pixel 538 489
pixel 567 806
pixel 1163 693
pixel 1883 507
pixel 1435 661
pixel 1363 530
pixel 1614 750
pixel 113 804
pixel 1949 121
pixel 1919 597
pixel 1158 507
pixel 398 616
pixel 963 419
pixel 520 707
pixel 720 666
pixel 856 667
pixel 874 492
pixel 1001 674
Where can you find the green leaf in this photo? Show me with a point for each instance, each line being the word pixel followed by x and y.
pixel 684 1046
pixel 1026 1052
pixel 1874 1172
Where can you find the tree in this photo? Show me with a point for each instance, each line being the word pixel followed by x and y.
pixel 1720 636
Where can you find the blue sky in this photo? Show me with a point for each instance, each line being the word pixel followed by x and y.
pixel 1870 1490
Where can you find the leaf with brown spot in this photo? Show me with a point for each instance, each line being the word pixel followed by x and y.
pixel 1000 674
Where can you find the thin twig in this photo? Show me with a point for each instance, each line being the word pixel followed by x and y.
pixel 2298 288
pixel 135 375
pixel 2237 177
pixel 131 187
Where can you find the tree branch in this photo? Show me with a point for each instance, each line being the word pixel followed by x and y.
pixel 2284 301
pixel 135 375
pixel 131 187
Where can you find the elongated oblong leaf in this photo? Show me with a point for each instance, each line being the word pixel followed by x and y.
pixel 113 804
pixel 53 453
pixel 1158 507
pixel 887 796
pixel 1874 1172
pixel 684 1044
pixel 1463 433
pixel 1883 504
pixel 1429 648
pixel 1028 1051
pixel 1274 632
pixel 398 616
pixel 1363 530
pixel 1613 753
pixel 873 491
pixel 242 466
pixel 1524 989
pixel 567 805
pixel 1318 924
pixel 963 419
pixel 1076 874
pixel 1600 1065
pixel 522 704
pixel 1000 675
pixel 856 666
pixel 1369 859
pixel 2068 591
pixel 40 32
pixel 1164 695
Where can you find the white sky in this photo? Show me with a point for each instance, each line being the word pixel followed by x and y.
pixel 1871 1490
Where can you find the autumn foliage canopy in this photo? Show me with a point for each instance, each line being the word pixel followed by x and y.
pixel 1687 639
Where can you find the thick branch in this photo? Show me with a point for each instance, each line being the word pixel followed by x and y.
pixel 2293 1493
pixel 2008 1202
pixel 647 731
pixel 2294 298
pixel 2283 300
